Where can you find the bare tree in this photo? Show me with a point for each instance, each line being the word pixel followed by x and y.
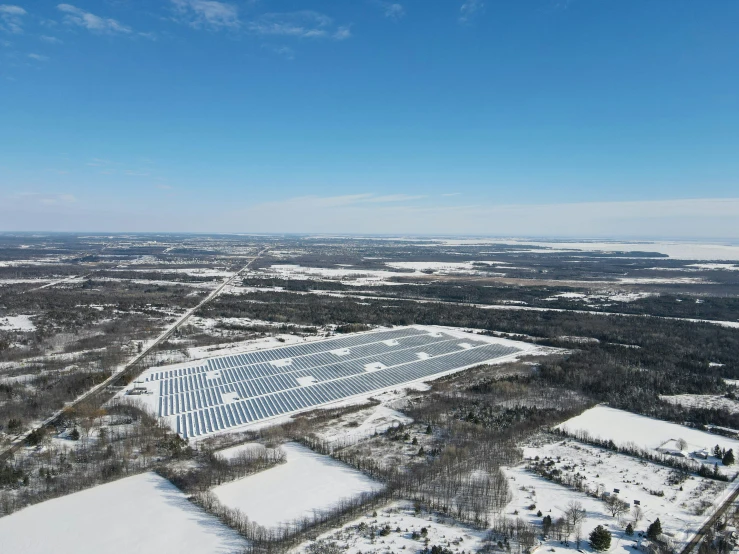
pixel 616 506
pixel 682 444
pixel 638 514
pixel 575 513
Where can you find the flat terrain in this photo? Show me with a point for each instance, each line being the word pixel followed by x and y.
pixel 625 428
pixel 305 484
pixel 144 514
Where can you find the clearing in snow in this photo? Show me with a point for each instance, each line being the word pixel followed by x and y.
pixel 144 514
pixel 307 483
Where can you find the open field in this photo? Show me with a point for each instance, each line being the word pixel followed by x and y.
pixel 625 428
pixel 143 514
pixel 305 484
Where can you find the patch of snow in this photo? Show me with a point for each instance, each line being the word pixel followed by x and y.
pixel 703 401
pixel 725 267
pixel 650 434
pixel 17 323
pixel 145 514
pixel 306 483
pixel 440 531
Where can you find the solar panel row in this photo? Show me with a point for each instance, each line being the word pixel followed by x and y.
pixel 293 351
pixel 215 416
pixel 263 379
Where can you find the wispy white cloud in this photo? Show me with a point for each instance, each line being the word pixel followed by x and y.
pixel 50 39
pixel 92 22
pixel 207 13
pixel 470 9
pixel 11 18
pixel 282 50
pixel 394 198
pixel 38 57
pixel 303 24
pixel 393 11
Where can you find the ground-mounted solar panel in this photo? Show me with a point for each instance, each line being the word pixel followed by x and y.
pixel 227 392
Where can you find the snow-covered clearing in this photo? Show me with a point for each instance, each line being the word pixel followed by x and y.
pixel 445 268
pixel 725 267
pixel 361 535
pixel 681 505
pixel 614 296
pixel 650 434
pixel 715 402
pixel 144 514
pixel 363 424
pixel 248 448
pixel 357 277
pixel 306 483
pixel 663 280
pixel 17 323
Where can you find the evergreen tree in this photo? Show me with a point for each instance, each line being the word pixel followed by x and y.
pixel 546 524
pixel 728 458
pixel 629 529
pixel 717 451
pixel 600 538
pixel 654 530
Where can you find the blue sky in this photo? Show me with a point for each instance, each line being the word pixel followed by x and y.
pixel 525 117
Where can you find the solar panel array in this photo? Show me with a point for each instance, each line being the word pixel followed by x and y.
pixel 231 391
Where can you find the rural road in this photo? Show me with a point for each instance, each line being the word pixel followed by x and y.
pixel 710 522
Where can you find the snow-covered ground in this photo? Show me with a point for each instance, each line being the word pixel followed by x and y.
pixel 306 483
pixel 17 323
pixel 357 277
pixel 662 280
pixel 703 401
pixel 362 535
pixel 445 268
pixel 682 508
pixel 673 249
pixel 363 424
pixel 144 514
pixel 725 267
pixel 626 428
pixel 232 452
pixel 614 296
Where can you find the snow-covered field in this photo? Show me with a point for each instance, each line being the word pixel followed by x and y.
pixel 357 277
pixel 626 428
pixel 703 401
pixel 361 535
pixel 306 483
pixel 446 268
pixel 614 296
pixel 144 514
pixel 17 323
